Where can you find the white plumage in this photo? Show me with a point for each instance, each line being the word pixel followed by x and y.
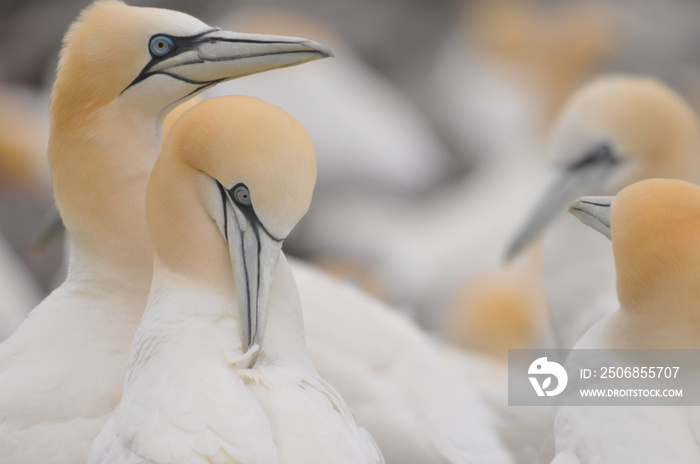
pixel 185 402
pixel 401 384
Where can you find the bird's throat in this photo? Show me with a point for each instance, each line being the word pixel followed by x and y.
pixel 100 165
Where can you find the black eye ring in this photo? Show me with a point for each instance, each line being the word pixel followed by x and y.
pixel 160 45
pixel 242 195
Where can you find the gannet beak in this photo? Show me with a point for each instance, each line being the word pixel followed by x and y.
pixel 568 184
pixel 594 212
pixel 254 254
pixel 216 56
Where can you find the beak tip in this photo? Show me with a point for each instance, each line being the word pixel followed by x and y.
pixel 593 212
pixel 320 49
pixel 573 206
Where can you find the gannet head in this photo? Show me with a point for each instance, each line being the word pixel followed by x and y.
pixel 614 131
pixel 235 176
pixel 655 230
pixel 492 314
pixel 500 310
pixel 152 58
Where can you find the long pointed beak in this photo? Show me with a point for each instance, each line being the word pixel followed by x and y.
pixel 254 255
pixel 260 254
pixel 594 212
pixel 567 185
pixel 222 55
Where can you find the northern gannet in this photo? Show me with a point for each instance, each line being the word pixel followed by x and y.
pixel 614 131
pixel 219 371
pixel 121 69
pixel 654 228
pixel 383 378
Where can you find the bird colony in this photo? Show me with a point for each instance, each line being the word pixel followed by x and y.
pixel 318 265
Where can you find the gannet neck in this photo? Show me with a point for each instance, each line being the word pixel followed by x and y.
pixel 100 161
pixel 186 241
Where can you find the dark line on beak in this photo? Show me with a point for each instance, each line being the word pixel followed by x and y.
pixel 224 39
pixel 604 205
pixel 196 36
pixel 256 55
pixel 594 217
pixel 247 289
pixel 257 294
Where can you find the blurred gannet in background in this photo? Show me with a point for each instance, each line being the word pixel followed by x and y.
pixel 23 140
pixel 654 227
pixel 614 131
pixel 503 309
pixel 420 249
pixel 490 314
pixel 121 69
pixel 218 371
pixel 507 67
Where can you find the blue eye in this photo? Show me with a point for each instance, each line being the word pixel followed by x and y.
pixel 242 195
pixel 160 45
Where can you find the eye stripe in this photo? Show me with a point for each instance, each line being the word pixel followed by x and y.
pixel 600 154
pixel 179 45
pixel 248 209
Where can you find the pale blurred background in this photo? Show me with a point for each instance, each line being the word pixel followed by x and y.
pixel 430 124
